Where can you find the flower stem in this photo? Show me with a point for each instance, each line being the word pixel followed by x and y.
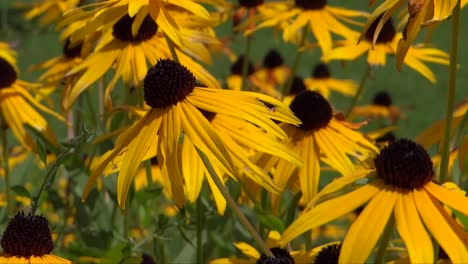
pixel 362 85
pixel 245 63
pixel 200 224
pixel 386 236
pixel 6 168
pixel 232 204
pixel 445 151
pixel 291 212
pixel 297 59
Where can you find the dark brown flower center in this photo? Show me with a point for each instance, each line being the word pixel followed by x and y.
pixel 8 74
pixel 321 71
pixel 237 67
pixel 250 3
pixel 312 109
pixel 382 98
pixel 72 51
pixel 26 236
pixel 386 34
pixel 387 138
pixel 167 83
pixel 404 164
pixel 123 29
pixel 328 254
pixel 297 86
pixel 272 59
pixel 311 4
pixel 282 256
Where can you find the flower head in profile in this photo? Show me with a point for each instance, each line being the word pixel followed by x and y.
pixel 175 119
pixel 401 184
pixel 273 71
pixel 386 44
pixel 382 106
pixel 323 82
pixel 320 137
pixel 27 239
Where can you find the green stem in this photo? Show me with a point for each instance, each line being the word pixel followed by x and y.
pixel 445 152
pixel 171 48
pixel 6 167
pixel 232 204
pixel 292 208
pixel 53 169
pixel 200 224
pixel 245 63
pixel 358 94
pixel 297 59
pixel 386 236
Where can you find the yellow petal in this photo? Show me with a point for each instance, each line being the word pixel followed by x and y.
pixel 448 197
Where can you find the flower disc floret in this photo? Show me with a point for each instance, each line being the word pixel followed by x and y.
pixel 312 109
pixel 122 29
pixel 167 83
pixel 328 254
pixel 297 86
pixel 250 3
pixel 387 33
pixel 8 74
pixel 27 235
pixel 382 98
pixel 404 164
pixel 321 71
pixel 282 256
pixel 236 67
pixel 72 51
pixel 272 59
pixel 311 4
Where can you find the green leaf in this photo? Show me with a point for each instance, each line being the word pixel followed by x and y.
pixel 21 191
pixel 272 222
pixel 41 149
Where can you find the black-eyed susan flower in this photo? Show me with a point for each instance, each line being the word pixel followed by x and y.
pixel 320 137
pixel 382 106
pixel 243 17
pixel 321 81
pixel 400 185
pixel 386 44
pixel 273 71
pixel 18 106
pixel 129 45
pixel 27 239
pixel 49 11
pixel 319 17
pixel 175 117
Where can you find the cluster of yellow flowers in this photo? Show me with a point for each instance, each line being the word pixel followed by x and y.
pixel 263 127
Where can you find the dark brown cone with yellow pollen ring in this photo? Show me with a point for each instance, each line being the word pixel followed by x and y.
pixel 404 164
pixel 122 29
pixel 72 51
pixel 8 74
pixel 387 33
pixel 382 98
pixel 26 236
pixel 311 4
pixel 236 67
pixel 167 83
pixel 250 3
pixel 328 255
pixel 282 256
pixel 272 59
pixel 312 109
pixel 321 71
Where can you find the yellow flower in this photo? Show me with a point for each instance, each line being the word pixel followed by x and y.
pixel 50 11
pixel 386 44
pixel 16 105
pixel 27 239
pixel 274 72
pixel 321 18
pixel 401 184
pixel 320 137
pixel 322 82
pixel 382 106
pixel 175 101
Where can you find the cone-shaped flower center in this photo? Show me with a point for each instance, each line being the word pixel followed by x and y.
pixel 297 86
pixel 386 34
pixel 404 164
pixel 250 3
pixel 26 236
pixel 312 109
pixel 167 83
pixel 272 59
pixel 328 254
pixel 321 71
pixel 8 74
pixel 382 98
pixel 236 67
pixel 282 256
pixel 72 51
pixel 311 4
pixel 123 29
